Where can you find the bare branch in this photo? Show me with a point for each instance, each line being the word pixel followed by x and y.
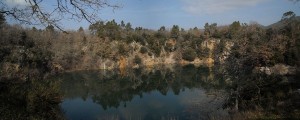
pixel 33 13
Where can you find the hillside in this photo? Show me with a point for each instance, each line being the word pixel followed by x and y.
pixel 280 24
pixel 110 45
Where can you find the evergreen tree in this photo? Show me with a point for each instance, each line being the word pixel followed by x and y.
pixel 80 29
pixel 128 27
pixel 162 28
pixel 122 24
pixel 50 28
pixel 234 29
pixel 175 31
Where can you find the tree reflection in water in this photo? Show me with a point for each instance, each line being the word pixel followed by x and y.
pixel 111 89
pixel 202 92
pixel 259 96
pixel 31 100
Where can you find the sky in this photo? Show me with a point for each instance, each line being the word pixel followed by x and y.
pixel 187 14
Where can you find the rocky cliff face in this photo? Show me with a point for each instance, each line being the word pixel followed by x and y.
pixel 105 54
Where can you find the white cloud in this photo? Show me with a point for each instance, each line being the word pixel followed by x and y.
pixel 16 2
pixel 216 6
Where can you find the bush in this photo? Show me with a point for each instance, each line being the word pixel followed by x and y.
pixel 189 54
pixel 143 50
pixel 150 54
pixel 204 53
pixel 137 60
pixel 123 49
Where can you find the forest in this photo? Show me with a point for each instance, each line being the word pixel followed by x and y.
pixel 27 53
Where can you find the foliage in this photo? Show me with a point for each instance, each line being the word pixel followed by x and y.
pixel 175 31
pixel 261 47
pixel 189 54
pixel 258 93
pixel 111 29
pixel 21 57
pixel 137 60
pixel 234 29
pixel 36 99
pixel 203 52
pixel 123 49
pixel 288 15
pixel 143 50
pixel 108 41
pixel 80 29
pixel 2 19
pixel 210 30
pixel 50 28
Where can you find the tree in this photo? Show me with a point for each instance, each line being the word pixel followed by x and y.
pixel 161 33
pixel 128 27
pixel 34 29
pixel 137 60
pixel 50 28
pixel 32 11
pixel 206 29
pixel 113 30
pixel 189 54
pixel 80 29
pixel 162 28
pixel 210 29
pixel 288 15
pixel 234 29
pixel 175 31
pixel 196 32
pixel 2 19
pixel 122 24
pixel 97 28
pixel 143 50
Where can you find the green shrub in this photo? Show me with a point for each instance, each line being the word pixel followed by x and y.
pixel 204 53
pixel 189 54
pixel 123 49
pixel 143 50
pixel 137 59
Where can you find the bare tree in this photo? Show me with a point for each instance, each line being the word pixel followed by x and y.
pixel 34 12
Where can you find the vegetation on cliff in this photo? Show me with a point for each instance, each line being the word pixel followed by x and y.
pixel 108 45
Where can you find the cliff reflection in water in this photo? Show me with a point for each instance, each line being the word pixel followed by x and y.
pixel 180 92
pixel 166 93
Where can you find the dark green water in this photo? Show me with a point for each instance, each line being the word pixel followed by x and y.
pixel 181 93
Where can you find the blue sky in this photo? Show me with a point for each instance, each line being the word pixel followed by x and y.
pixel 191 13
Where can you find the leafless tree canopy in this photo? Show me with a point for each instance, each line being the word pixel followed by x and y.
pixel 34 12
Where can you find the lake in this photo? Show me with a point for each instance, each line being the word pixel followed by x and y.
pixel 168 93
pixel 163 93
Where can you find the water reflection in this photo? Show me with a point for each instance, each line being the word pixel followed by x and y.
pixel 33 100
pixel 160 93
pixel 259 96
pixel 169 93
pixel 179 93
